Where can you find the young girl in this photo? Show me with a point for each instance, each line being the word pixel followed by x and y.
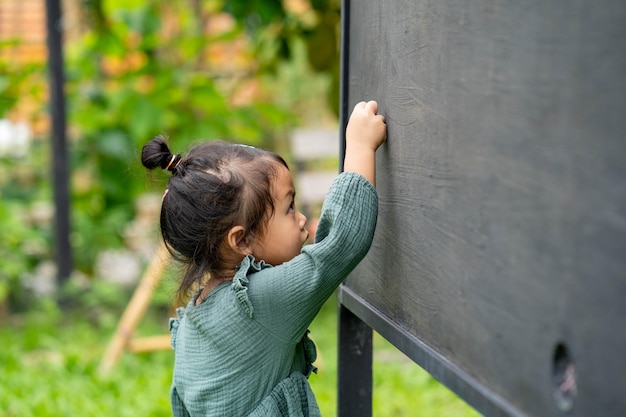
pixel 241 345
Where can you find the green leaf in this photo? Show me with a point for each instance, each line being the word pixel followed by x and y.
pixel 322 47
pixel 114 144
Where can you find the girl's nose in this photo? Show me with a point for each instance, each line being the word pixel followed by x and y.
pixel 302 220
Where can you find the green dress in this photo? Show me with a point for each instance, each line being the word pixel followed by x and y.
pixel 244 351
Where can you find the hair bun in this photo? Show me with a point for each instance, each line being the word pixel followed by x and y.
pixel 156 154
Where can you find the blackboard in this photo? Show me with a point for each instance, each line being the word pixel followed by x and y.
pixel 499 260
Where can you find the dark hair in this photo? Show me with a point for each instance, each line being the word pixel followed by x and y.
pixel 216 186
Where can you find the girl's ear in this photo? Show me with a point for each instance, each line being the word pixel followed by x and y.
pixel 237 240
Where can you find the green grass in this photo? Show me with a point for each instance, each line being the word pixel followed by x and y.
pixel 49 368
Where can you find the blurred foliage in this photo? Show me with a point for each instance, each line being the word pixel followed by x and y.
pixel 142 68
pixel 16 80
pixel 25 212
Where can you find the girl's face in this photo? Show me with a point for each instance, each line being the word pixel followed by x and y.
pixel 284 234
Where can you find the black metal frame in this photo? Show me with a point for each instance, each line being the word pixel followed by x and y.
pixel 60 165
pixel 354 379
pixel 356 314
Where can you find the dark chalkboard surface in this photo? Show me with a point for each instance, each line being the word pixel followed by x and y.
pixel 499 261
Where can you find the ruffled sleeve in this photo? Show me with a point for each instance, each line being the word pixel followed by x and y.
pixel 241 281
pixel 175 323
pixel 310 354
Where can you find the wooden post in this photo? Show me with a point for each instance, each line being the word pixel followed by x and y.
pixel 134 312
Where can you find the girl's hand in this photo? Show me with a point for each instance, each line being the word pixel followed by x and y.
pixel 365 132
pixel 365 127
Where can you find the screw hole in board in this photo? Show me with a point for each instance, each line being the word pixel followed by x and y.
pixel 563 378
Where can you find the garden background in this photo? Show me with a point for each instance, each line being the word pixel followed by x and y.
pixel 239 70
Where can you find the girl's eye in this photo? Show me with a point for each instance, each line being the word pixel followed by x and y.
pixel 292 207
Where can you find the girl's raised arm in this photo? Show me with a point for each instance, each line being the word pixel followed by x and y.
pixel 365 132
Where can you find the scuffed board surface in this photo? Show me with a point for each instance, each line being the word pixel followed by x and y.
pixel 501 239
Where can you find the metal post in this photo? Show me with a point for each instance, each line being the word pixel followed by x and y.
pixel 60 169
pixel 344 79
pixel 354 380
pixel 355 366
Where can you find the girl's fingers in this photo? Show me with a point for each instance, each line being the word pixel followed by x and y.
pixel 372 106
pixel 360 104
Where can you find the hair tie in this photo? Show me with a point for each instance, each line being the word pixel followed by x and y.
pixel 170 164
